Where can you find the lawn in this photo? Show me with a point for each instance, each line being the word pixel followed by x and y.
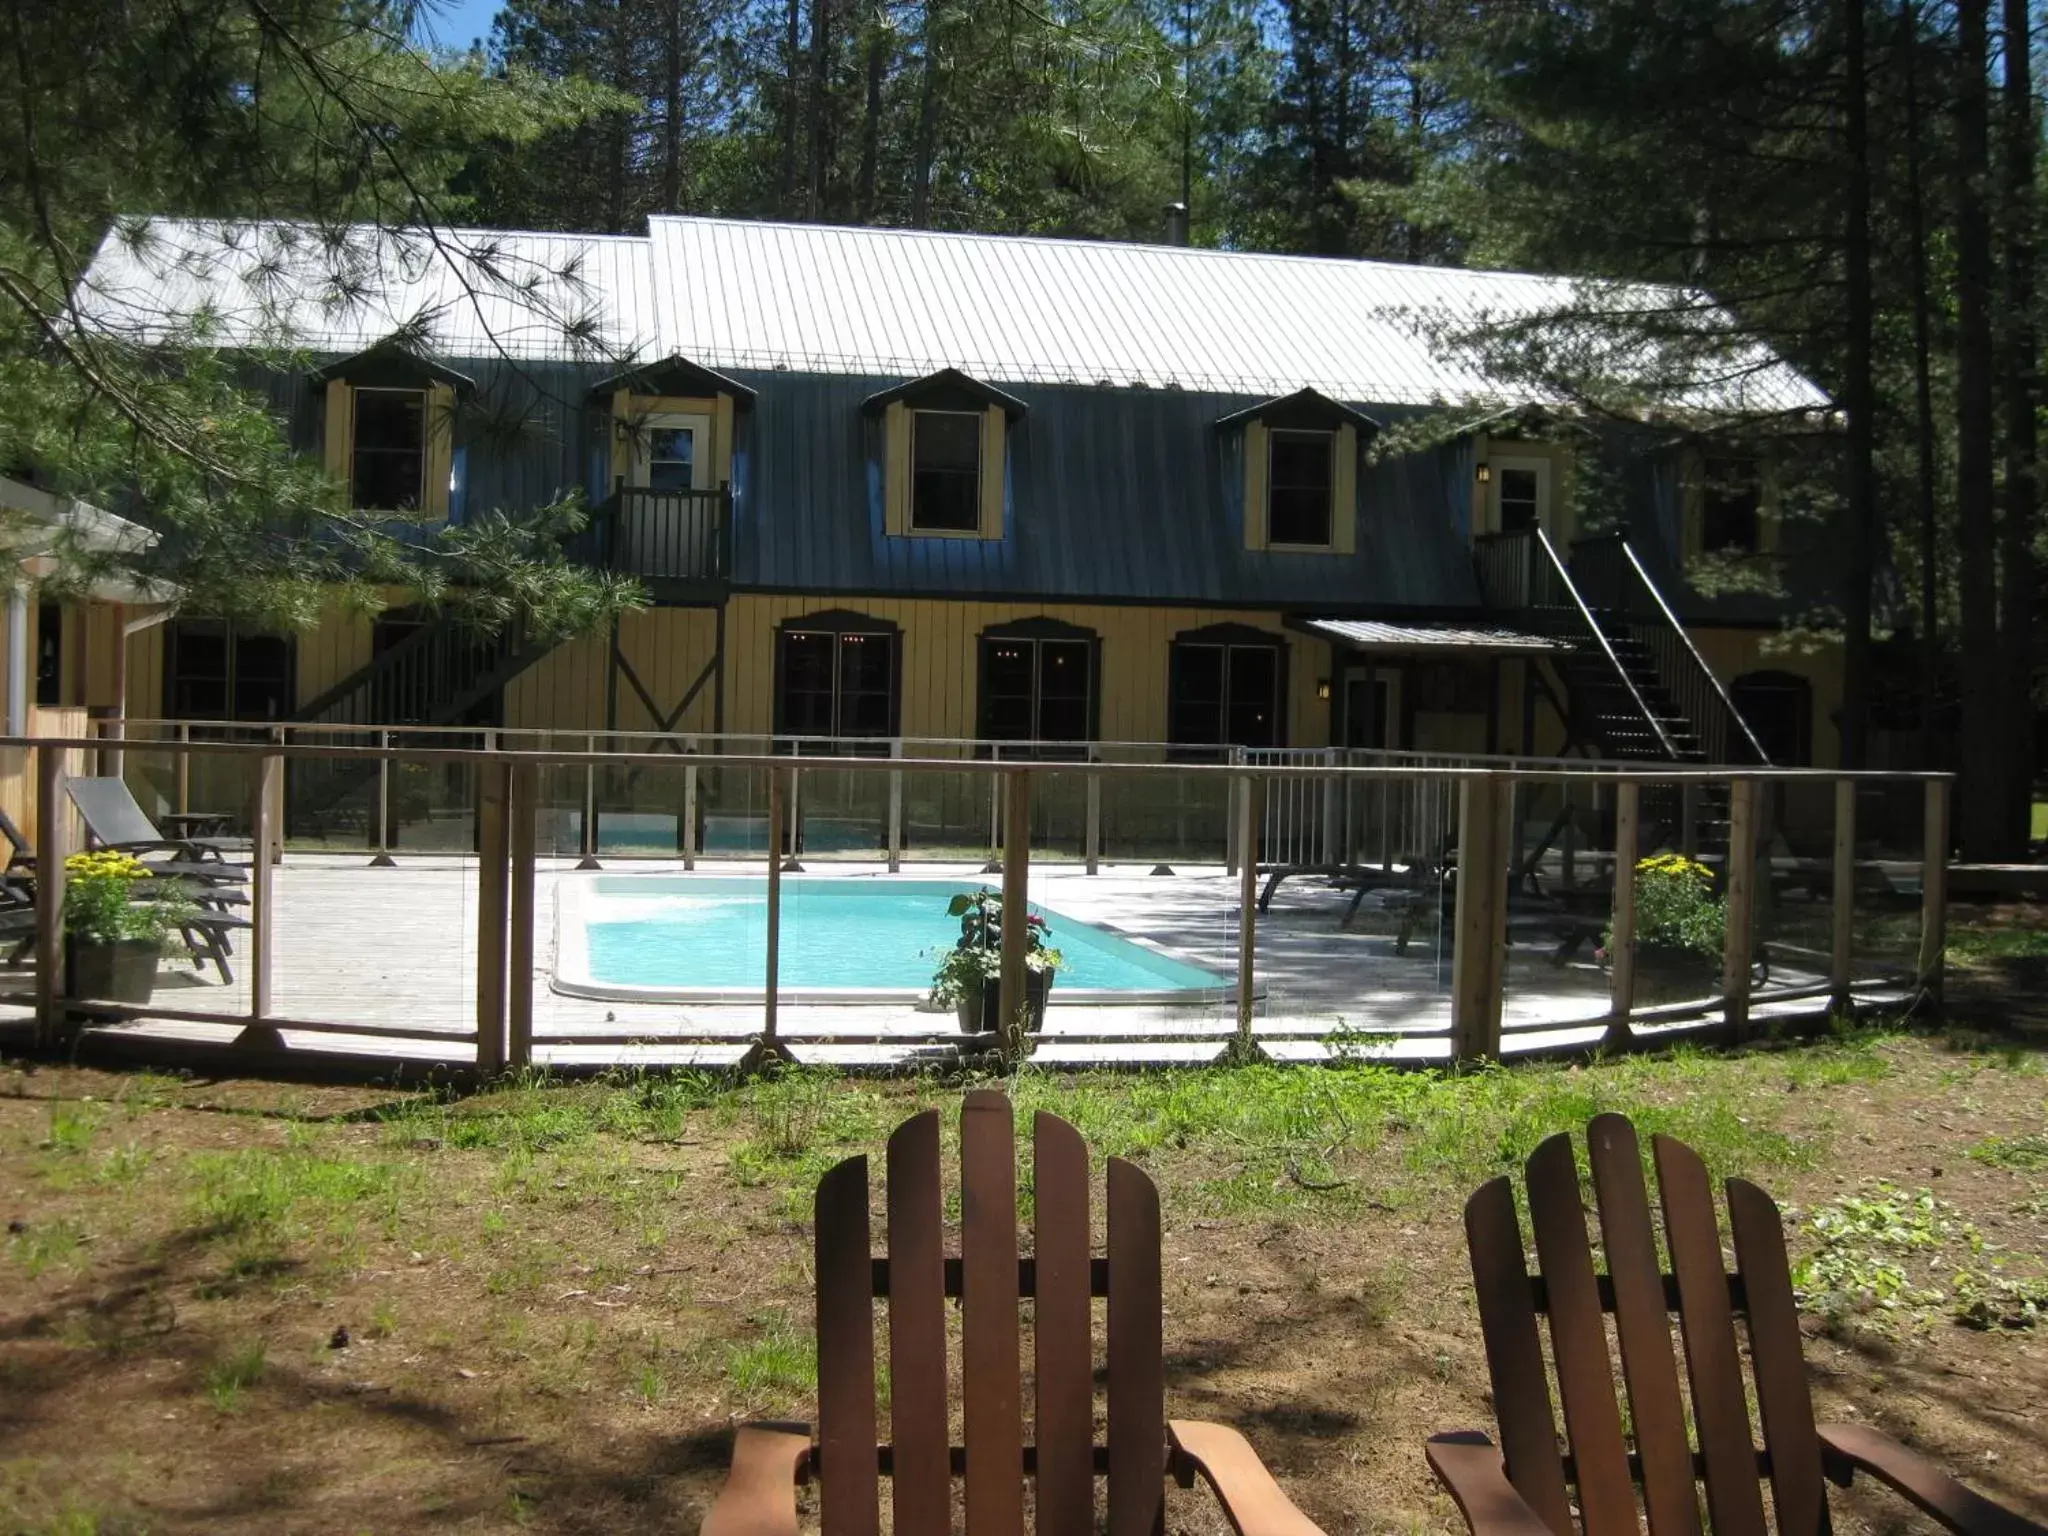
pixel 239 1306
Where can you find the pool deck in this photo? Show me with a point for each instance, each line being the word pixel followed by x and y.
pixel 394 951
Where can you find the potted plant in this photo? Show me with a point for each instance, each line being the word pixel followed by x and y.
pixel 114 934
pixel 970 974
pixel 1681 925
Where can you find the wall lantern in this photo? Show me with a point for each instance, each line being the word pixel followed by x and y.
pixel 1323 689
pixel 1485 473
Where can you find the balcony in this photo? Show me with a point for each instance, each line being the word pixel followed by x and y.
pixel 676 543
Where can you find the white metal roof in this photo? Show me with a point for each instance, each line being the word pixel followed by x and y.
pixel 1373 635
pixel 732 294
pixel 461 292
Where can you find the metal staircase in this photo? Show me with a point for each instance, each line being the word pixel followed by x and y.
pixel 1636 688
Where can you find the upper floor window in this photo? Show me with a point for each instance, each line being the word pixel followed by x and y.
pixel 390 431
pixel 1225 686
pixel 1731 507
pixel 945 453
pixel 388 456
pixel 945 449
pixel 1301 491
pixel 49 653
pixel 837 676
pixel 1300 458
pixel 1038 683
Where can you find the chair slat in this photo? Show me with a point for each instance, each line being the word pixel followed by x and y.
pixel 1777 1360
pixel 920 1463
pixel 1578 1342
pixel 849 1499
pixel 1734 1503
pixel 989 1362
pixel 1061 1332
pixel 1137 1380
pixel 1514 1354
pixel 1643 1323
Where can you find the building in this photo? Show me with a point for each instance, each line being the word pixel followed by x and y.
pixel 883 483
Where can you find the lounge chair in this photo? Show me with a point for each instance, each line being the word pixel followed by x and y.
pixel 114 819
pixel 988 1277
pixel 1659 1448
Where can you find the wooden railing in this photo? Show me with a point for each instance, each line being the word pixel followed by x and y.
pixel 661 536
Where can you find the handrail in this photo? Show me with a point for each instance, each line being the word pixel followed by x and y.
pixel 1670 618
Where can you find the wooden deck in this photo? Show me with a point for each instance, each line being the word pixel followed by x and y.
pixel 391 955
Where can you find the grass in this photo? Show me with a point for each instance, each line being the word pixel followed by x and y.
pixel 229 1379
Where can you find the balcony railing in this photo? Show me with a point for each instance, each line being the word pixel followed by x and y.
pixel 666 538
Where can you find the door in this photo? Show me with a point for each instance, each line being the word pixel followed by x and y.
pixel 1368 710
pixel 663 532
pixel 1522 494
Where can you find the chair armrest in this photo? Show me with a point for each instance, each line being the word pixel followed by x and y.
pixel 1847 1449
pixel 759 1497
pixel 1251 1500
pixel 1470 1467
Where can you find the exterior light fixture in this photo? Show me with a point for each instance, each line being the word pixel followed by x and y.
pixel 1323 689
pixel 1485 473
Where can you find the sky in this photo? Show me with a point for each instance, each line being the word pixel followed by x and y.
pixel 455 23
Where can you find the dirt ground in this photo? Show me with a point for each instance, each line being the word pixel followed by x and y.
pixel 237 1306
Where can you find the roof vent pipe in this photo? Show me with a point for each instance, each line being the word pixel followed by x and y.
pixel 1176 223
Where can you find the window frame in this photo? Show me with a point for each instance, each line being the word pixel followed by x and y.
pixel 1329 438
pixel 1229 639
pixel 839 625
pixel 49 647
pixel 978 419
pixel 1038 633
pixel 177 681
pixel 1716 472
pixel 424 394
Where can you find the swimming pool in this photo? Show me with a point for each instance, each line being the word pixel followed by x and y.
pixel 844 939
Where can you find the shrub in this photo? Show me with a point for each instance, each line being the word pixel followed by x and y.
pixel 1676 905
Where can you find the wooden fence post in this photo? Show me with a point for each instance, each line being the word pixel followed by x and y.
pixel 1934 889
pixel 768 1048
pixel 1480 920
pixel 1016 909
pixel 380 857
pixel 1621 943
pixel 1842 958
pixel 492 791
pixel 589 838
pixel 690 804
pixel 50 851
pixel 1091 829
pixel 895 832
pixel 519 916
pixel 1244 1048
pixel 1739 906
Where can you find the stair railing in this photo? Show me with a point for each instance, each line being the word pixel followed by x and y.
pixel 1613 575
pixel 1521 572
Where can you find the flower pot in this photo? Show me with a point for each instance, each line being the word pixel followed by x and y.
pixel 1671 973
pixel 111 971
pixel 982 1012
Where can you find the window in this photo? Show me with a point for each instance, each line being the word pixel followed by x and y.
pixel 1300 492
pixel 838 678
pixel 945 492
pixel 1225 691
pixel 217 673
pixel 1521 500
pixel 1731 507
pixel 388 458
pixel 1038 682
pixel 1779 709
pixel 672 458
pixel 49 653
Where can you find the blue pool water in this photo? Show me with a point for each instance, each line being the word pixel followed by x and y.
pixel 711 933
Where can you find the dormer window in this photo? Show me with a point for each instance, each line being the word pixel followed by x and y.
pixel 388 458
pixel 1730 505
pixel 1302 487
pixel 390 430
pixel 945 490
pixel 1300 457
pixel 945 455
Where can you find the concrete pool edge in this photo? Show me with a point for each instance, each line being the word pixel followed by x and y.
pixel 571 975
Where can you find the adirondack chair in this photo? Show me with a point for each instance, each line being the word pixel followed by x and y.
pixel 1520 1489
pixel 989 1277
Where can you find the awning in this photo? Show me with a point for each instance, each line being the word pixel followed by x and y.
pixel 1436 639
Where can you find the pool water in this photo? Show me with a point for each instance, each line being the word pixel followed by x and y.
pixel 688 935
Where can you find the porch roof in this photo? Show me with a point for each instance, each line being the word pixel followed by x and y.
pixel 1377 635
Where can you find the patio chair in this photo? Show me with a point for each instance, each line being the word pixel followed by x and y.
pixel 989 1278
pixel 1521 1489
pixel 114 819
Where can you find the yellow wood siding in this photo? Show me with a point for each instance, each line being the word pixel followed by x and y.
pixel 440 451
pixel 993 425
pixel 940 661
pixel 896 468
pixel 1255 485
pixel 667 648
pixel 1344 493
pixel 629 417
pixel 338 431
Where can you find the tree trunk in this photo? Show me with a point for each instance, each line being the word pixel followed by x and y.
pixel 817 131
pixel 871 113
pixel 1980 806
pixel 792 119
pixel 927 122
pixel 1923 399
pixel 1859 393
pixel 672 108
pixel 2015 667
